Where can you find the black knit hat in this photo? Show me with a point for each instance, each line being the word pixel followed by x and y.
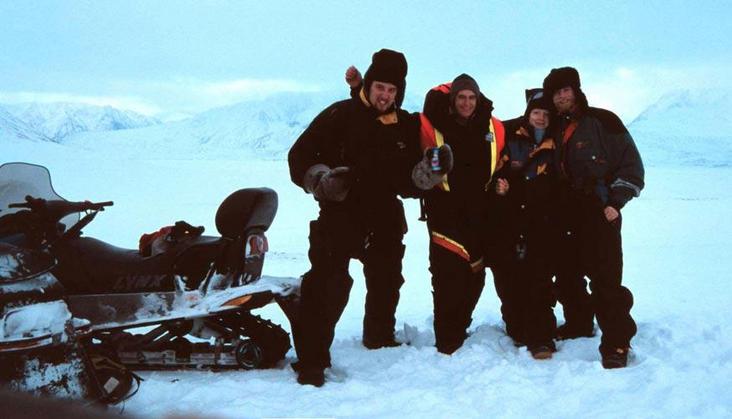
pixel 559 78
pixel 388 66
pixel 463 82
pixel 536 99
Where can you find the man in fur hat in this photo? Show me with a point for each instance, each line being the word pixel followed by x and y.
pixel 600 171
pixel 356 157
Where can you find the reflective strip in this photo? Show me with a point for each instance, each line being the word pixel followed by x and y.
pixel 497 136
pixel 622 183
pixel 440 140
pixel 494 149
pixel 451 245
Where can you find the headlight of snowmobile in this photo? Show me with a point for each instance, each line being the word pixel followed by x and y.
pixel 256 246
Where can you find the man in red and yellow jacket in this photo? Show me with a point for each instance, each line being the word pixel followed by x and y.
pixel 456 118
pixel 457 212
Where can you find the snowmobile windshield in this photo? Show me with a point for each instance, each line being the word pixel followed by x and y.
pixel 17 180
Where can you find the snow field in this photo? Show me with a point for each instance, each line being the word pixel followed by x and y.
pixel 676 241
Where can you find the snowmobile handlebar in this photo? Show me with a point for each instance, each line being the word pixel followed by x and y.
pixel 40 220
pixel 58 209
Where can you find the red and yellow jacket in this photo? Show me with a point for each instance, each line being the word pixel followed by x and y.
pixel 456 209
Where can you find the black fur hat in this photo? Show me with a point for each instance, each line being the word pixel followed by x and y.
pixel 388 66
pixel 559 78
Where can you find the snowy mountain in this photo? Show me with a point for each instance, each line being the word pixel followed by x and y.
pixel 58 121
pixel 13 128
pixel 681 128
pixel 267 127
pixel 264 129
pixel 686 127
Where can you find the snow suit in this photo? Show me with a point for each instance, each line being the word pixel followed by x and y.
pixel 368 225
pixel 456 212
pixel 599 166
pixel 523 236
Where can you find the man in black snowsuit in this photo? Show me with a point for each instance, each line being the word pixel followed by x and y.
pixel 456 209
pixel 355 158
pixel 600 171
pixel 521 262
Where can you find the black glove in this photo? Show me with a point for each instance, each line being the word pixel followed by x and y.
pixel 424 174
pixel 327 184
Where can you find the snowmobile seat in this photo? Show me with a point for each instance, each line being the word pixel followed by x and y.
pixel 245 211
pixel 95 266
pixel 200 241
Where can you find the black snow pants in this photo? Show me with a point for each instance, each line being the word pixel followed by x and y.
pixel 593 248
pixel 527 301
pixel 334 240
pixel 458 278
pixel 571 291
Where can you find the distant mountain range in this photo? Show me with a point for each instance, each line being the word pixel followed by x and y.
pixel 262 129
pixel 681 128
pixel 58 121
pixel 12 127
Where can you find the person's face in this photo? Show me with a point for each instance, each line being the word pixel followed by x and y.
pixel 564 100
pixel 539 118
pixel 382 95
pixel 465 102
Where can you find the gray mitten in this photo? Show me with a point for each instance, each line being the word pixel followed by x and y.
pixel 327 184
pixel 431 170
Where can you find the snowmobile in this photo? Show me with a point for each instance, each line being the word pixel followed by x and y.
pixel 183 299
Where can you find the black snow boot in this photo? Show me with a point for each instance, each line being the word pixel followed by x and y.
pixel 614 358
pixel 389 342
pixel 543 351
pixel 311 376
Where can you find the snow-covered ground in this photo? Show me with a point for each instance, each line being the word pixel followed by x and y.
pixel 677 237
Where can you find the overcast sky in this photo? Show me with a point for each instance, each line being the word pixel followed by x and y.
pixel 172 58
